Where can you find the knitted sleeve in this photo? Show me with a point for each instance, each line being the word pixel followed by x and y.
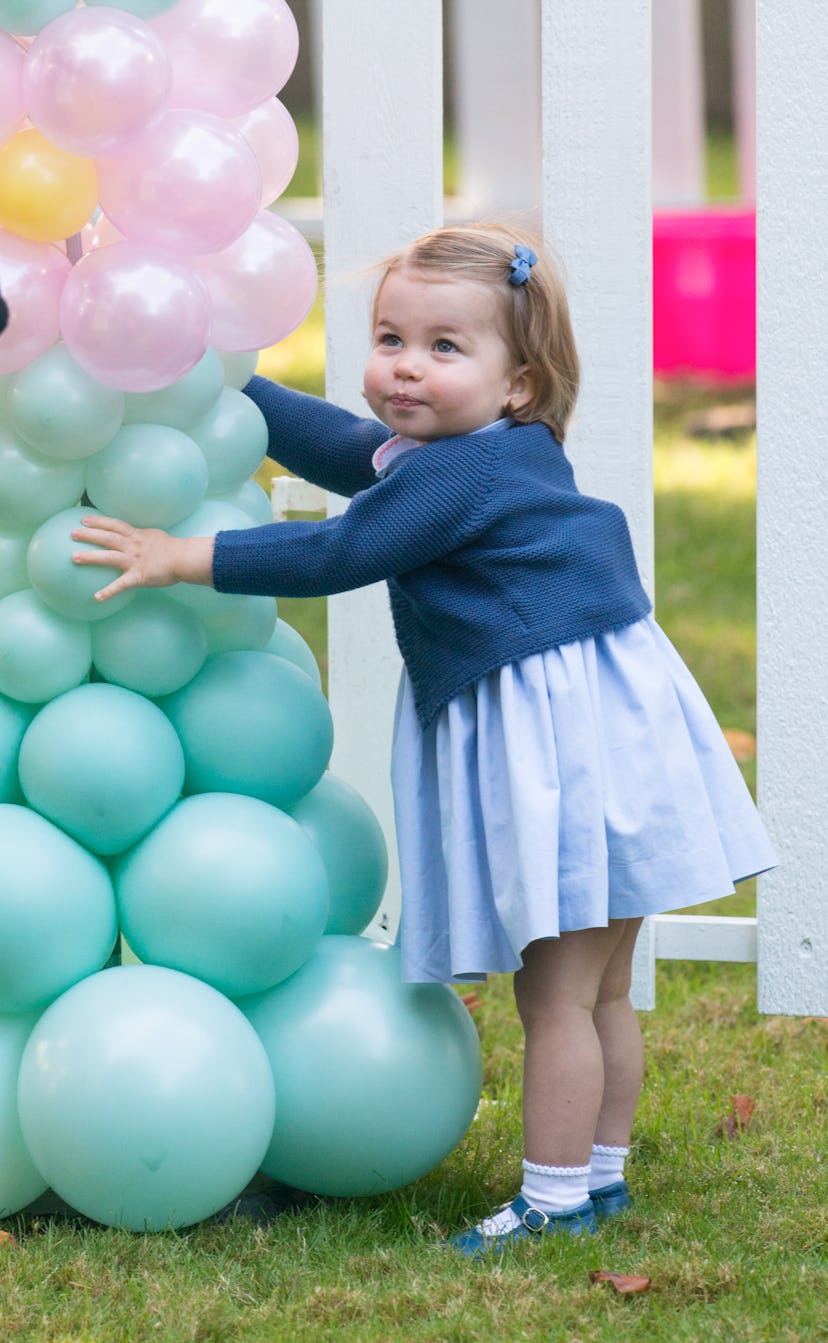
pixel 315 440
pixel 417 514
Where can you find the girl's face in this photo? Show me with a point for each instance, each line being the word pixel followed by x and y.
pixel 439 366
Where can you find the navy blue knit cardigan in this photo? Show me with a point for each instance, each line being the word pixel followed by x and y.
pixel 489 550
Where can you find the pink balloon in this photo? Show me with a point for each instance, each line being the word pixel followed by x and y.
pixel 228 55
pixel 191 184
pixel 94 78
pixel 32 277
pixel 12 106
pixel 101 232
pixel 262 286
pixel 135 317
pixel 271 133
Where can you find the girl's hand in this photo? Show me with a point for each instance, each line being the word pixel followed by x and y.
pixel 147 557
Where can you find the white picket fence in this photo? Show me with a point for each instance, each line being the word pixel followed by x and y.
pixel 571 86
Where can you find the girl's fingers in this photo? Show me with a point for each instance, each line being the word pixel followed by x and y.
pixel 114 559
pixel 99 522
pixel 98 536
pixel 112 589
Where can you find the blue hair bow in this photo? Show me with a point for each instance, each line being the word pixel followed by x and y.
pixel 521 268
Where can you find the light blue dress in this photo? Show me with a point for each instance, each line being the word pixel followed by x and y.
pixel 586 783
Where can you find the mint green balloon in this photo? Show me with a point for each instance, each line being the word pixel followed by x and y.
pixel 60 410
pixel 146 1099
pixel 251 499
pixel 286 642
pixel 67 587
pixel 57 911
pixel 239 367
pixel 26 17
pixel 154 646
pixel 377 1081
pixel 183 402
pixel 250 625
pixel 13 572
pixel 210 517
pixel 352 846
pixel 149 474
pixel 14 719
pixel 20 1180
pixel 42 653
pixel 103 763
pixel 252 723
pixel 226 888
pixel 32 487
pixel 233 437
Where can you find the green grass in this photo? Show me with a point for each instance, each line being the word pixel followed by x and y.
pixel 732 1234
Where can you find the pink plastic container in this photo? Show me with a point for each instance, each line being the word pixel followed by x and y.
pixel 704 295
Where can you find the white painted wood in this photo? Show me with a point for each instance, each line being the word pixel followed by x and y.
pixel 743 28
pixel 382 160
pixel 596 68
pixel 696 937
pixel 290 495
pixel 597 214
pixel 643 987
pixel 792 386
pixel 687 937
pixel 496 104
pixel 678 105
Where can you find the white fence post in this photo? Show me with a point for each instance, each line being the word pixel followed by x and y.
pixel 678 104
pixel 597 214
pixel 496 104
pixel 792 568
pixel 743 29
pixel 383 185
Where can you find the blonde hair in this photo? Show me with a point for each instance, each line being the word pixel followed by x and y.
pixel 534 316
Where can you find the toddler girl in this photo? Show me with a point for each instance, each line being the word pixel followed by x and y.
pixel 557 772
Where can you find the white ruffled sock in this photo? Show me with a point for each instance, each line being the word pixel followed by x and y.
pixel 552 1189
pixel 606 1166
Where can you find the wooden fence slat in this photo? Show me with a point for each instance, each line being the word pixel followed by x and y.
pixel 678 105
pixel 382 186
pixel 496 104
pixel 597 214
pixel 792 388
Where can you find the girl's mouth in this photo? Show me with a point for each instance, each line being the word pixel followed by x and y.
pixel 401 402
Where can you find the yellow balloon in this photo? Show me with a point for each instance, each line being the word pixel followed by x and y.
pixel 45 194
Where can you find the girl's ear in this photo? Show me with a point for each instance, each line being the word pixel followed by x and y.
pixel 520 389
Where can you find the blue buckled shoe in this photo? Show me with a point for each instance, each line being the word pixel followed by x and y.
pixel 610 1200
pixel 475 1244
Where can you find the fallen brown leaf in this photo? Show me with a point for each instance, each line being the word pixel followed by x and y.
pixel 734 1124
pixel 627 1284
pixel 6 1238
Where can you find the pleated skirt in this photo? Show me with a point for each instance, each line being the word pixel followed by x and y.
pixel 586 783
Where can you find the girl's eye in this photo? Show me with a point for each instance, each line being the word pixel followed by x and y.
pixel 388 338
pixel 445 346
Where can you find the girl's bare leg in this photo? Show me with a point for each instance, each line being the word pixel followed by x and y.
pixel 566 995
pixel 618 1031
pixel 582 1066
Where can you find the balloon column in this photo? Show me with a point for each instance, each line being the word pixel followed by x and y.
pixel 163 758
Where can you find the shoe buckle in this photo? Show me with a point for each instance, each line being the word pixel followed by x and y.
pixel 540 1220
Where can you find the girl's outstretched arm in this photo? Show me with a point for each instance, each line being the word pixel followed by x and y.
pixel 146 556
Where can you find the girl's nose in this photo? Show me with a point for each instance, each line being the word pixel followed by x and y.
pixel 408 365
